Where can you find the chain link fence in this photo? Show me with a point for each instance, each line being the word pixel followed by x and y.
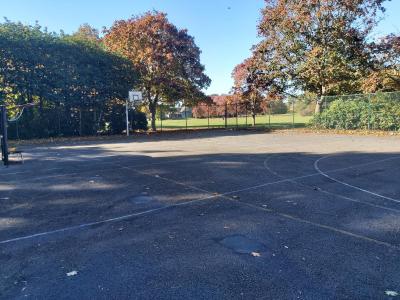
pixel 232 115
pixel 65 121
pixel 378 111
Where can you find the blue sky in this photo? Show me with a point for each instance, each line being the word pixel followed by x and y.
pixel 225 30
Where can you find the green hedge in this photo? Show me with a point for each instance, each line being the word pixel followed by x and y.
pixel 65 121
pixel 378 113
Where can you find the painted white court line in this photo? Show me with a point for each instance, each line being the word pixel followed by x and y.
pixel 266 165
pixel 78 172
pixel 85 225
pixel 287 216
pixel 144 212
pixel 120 218
pixel 330 228
pixel 316 167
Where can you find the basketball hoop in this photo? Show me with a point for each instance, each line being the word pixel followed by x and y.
pixel 134 99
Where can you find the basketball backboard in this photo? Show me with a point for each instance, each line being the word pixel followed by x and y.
pixel 135 97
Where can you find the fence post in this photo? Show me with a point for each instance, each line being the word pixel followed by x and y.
pixel 226 115
pixel 237 124
pixel 293 113
pixel 186 117
pixel 324 109
pixel 161 115
pixel 4 137
pixel 246 113
pixel 269 115
pixel 208 116
pixel 369 111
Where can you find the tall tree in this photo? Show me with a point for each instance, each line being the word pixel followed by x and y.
pixel 318 46
pixel 246 87
pixel 87 32
pixel 59 72
pixel 166 58
pixel 385 74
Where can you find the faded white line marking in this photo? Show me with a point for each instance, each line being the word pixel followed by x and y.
pixel 316 167
pixel 85 225
pixel 266 165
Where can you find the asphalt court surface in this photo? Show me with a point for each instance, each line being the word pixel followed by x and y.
pixel 204 215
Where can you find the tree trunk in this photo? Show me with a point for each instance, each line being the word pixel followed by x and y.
pixel 254 119
pixel 320 99
pixel 318 106
pixel 152 108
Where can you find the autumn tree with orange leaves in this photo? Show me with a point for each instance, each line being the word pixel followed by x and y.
pixel 246 87
pixel 166 58
pixel 318 46
pixel 385 73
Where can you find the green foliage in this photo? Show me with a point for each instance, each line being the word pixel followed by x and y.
pixel 71 78
pixel 315 46
pixel 138 120
pixel 379 113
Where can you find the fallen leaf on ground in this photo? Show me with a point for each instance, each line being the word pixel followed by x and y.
pixel 72 273
pixel 391 293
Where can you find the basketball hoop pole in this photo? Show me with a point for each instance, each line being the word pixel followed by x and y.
pixel 133 97
pixel 127 118
pixel 4 138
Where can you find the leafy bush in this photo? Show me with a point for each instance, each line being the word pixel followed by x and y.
pixel 116 119
pixel 380 113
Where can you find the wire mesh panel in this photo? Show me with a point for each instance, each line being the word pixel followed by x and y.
pixel 379 111
pixel 231 115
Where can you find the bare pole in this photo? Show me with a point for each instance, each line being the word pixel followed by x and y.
pixel 208 116
pixel 4 138
pixel 293 113
pixel 186 120
pixel 127 118
pixel 237 123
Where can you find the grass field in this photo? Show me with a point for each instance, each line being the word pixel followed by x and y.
pixel 275 121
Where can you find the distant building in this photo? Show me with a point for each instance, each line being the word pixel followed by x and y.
pixel 181 113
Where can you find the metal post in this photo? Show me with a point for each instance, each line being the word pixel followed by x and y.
pixel 246 113
pixel 4 137
pixel 208 116
pixel 269 115
pixel 226 115
pixel 293 113
pixel 186 118
pixel 161 114
pixel 369 111
pixel 237 124
pixel 324 109
pixel 127 118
